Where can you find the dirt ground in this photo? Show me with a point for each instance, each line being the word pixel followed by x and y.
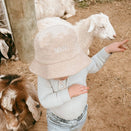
pixel 109 98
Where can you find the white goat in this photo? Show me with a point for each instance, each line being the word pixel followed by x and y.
pixel 54 8
pixel 97 25
pixel 18 103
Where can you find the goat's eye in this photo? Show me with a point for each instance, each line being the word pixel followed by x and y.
pixel 102 27
pixel 23 100
pixel 14 111
pixel 38 106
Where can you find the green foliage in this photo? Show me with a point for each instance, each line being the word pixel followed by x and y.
pixel 104 1
pixel 86 3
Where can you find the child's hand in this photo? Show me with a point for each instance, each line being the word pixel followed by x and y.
pixel 77 89
pixel 116 47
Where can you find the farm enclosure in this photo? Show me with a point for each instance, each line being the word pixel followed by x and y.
pixel 110 89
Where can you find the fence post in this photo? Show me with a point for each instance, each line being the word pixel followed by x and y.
pixel 23 24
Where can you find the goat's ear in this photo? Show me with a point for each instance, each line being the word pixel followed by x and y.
pixel 4 49
pixel 91 26
pixel 33 108
pixel 101 13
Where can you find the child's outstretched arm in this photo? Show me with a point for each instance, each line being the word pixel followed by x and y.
pixel 102 56
pixel 76 89
pixel 116 47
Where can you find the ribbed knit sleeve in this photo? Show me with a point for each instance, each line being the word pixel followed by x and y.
pixel 48 98
pixel 98 61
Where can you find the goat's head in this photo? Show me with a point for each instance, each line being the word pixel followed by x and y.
pixel 7 46
pixel 69 6
pixel 17 104
pixel 101 26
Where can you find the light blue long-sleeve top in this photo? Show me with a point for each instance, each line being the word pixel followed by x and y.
pixel 54 95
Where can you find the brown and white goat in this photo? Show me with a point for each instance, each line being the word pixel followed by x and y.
pixel 19 103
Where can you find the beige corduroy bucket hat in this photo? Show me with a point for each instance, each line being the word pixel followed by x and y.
pixel 57 53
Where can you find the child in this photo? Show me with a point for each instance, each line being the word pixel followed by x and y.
pixel 62 68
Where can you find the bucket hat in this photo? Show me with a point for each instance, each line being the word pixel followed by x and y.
pixel 57 53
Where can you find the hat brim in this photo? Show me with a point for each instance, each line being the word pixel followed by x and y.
pixel 61 69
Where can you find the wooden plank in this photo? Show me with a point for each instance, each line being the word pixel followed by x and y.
pixel 23 24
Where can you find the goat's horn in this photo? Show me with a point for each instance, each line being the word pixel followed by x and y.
pixel 15 80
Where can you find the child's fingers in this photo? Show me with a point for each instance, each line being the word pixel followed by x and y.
pixel 84 91
pixel 123 42
pixel 84 88
pixel 87 88
pixel 121 50
pixel 122 47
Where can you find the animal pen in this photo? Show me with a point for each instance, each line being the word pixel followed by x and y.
pixel 19 17
pixel 110 89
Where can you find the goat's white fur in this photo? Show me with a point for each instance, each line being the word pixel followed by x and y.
pixel 1 76
pixel 32 100
pixel 95 25
pixel 51 21
pixel 58 8
pixel 4 48
pixel 4 31
pixel 31 104
pixel 98 25
pixel 8 98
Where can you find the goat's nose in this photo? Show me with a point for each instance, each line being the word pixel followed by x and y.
pixel 15 124
pixel 40 113
pixel 114 36
pixel 34 122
